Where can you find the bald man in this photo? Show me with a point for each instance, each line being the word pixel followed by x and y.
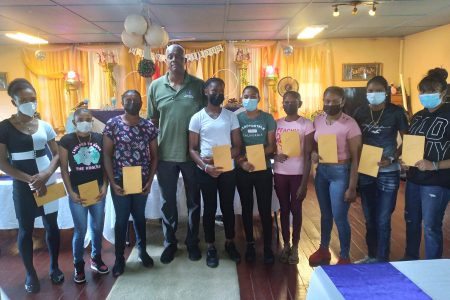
pixel 172 100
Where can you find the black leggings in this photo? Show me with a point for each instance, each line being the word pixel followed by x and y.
pixel 25 240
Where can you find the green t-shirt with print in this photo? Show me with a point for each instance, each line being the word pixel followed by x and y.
pixel 174 110
pixel 255 131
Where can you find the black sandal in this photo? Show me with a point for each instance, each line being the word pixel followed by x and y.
pixel 32 285
pixel 56 276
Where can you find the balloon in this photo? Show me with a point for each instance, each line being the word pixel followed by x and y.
pixel 132 40
pixel 135 24
pixel 155 36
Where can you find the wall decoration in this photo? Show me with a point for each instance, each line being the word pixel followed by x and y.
pixel 361 71
pixel 3 81
pixel 189 56
pixel 146 68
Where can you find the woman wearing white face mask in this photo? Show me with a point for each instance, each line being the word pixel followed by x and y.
pixel 82 151
pixel 257 127
pixel 428 182
pixel 25 138
pixel 380 122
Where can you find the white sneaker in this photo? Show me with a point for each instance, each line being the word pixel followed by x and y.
pixel 367 260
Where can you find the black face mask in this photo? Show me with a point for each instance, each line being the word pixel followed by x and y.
pixel 216 99
pixel 332 110
pixel 132 108
pixel 290 109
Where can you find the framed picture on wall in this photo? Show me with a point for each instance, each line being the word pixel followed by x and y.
pixel 3 81
pixel 361 72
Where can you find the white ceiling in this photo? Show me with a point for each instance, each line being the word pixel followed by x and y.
pixel 86 21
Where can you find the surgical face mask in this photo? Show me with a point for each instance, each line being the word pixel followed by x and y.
pixel 250 104
pixel 291 108
pixel 28 109
pixel 132 108
pixel 216 99
pixel 430 100
pixel 376 98
pixel 84 126
pixel 332 110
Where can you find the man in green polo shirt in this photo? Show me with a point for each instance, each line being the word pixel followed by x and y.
pixel 172 100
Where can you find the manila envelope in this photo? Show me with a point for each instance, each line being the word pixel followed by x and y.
pixel 89 191
pixel 413 149
pixel 370 156
pixel 54 192
pixel 290 143
pixel 328 148
pixel 256 156
pixel 132 180
pixel 222 157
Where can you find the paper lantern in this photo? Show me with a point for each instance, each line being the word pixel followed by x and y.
pixel 132 40
pixel 166 38
pixel 155 36
pixel 135 24
pixel 40 55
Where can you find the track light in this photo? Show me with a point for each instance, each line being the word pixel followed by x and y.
pixel 373 10
pixel 336 12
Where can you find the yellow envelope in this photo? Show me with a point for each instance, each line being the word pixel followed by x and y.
pixel 328 148
pixel 89 191
pixel 413 149
pixel 54 192
pixel 256 156
pixel 290 143
pixel 132 180
pixel 370 156
pixel 222 157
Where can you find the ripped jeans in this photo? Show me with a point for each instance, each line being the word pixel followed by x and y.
pixel 427 203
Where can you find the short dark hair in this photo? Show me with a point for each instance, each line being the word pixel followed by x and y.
pixel 436 79
pixel 381 81
pixel 131 92
pixel 335 90
pixel 213 79
pixel 293 94
pixel 79 111
pixel 17 85
pixel 251 87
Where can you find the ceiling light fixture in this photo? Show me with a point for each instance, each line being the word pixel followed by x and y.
pixel 336 11
pixel 311 31
pixel 373 10
pixel 355 5
pixel 26 38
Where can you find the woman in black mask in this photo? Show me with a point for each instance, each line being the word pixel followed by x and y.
pixel 214 126
pixel 129 140
pixel 336 182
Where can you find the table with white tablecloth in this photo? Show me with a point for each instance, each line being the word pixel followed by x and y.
pixel 152 210
pixel 421 279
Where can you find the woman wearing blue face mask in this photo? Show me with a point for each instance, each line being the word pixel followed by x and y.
pixel 428 182
pixel 257 127
pixel 82 152
pixel 25 138
pixel 380 122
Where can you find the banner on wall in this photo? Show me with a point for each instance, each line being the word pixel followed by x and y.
pixel 189 56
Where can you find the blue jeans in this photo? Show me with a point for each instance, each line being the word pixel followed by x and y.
pixel 427 203
pixel 331 183
pixel 378 197
pixel 80 222
pixel 133 204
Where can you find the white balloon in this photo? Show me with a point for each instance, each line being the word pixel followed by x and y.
pixel 155 36
pixel 135 24
pixel 132 40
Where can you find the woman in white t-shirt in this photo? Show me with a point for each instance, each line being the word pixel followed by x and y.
pixel 291 174
pixel 210 127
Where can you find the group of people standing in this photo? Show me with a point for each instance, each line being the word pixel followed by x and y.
pixel 185 122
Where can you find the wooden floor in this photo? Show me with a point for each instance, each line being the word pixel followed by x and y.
pixel 257 281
